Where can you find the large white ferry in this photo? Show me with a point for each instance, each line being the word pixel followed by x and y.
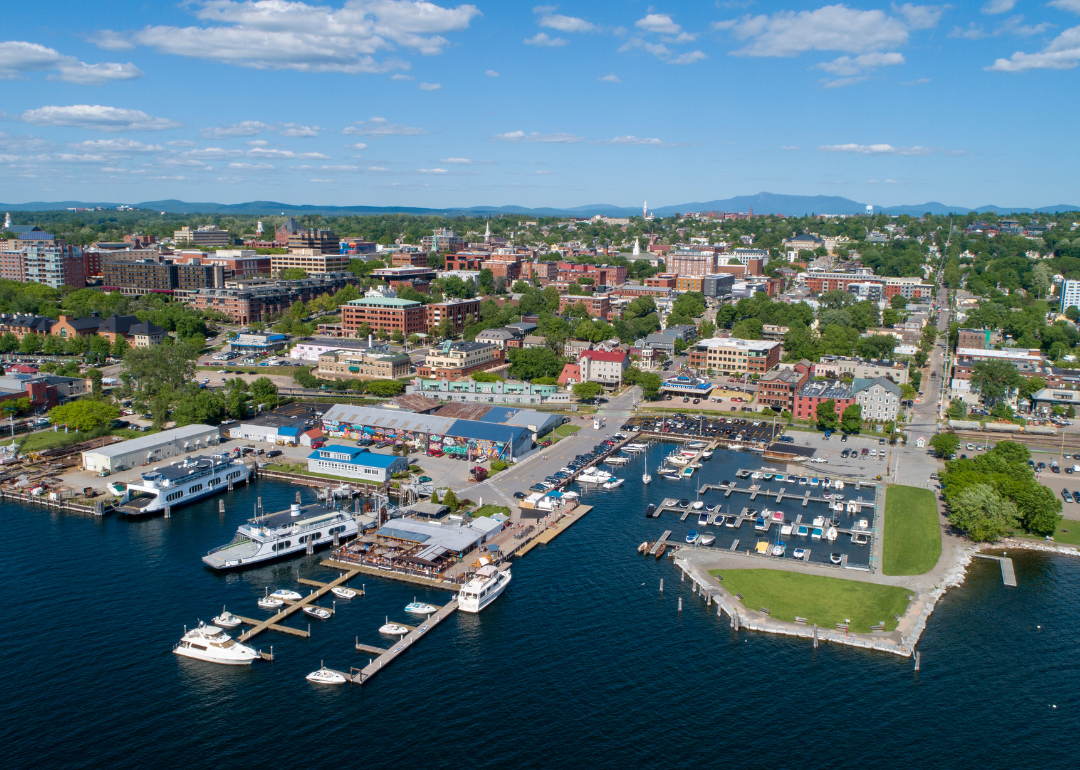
pixel 484 588
pixel 174 485
pixel 279 534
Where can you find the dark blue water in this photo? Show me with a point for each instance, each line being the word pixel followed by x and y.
pixel 581 664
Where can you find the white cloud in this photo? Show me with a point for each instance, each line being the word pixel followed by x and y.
pixel 875 149
pixel 430 86
pixel 848 66
pixel 181 143
pixel 566 23
pixel 212 153
pixel 631 140
pixel 377 169
pixel 611 77
pixel 973 31
pixel 544 40
pixel 296 131
pixel 998 6
pixel 688 58
pixel 97 118
pixel 339 168
pixel 920 16
pixel 18 57
pixel 22 142
pixel 661 51
pixel 278 34
pixel 357 146
pixel 492 74
pixel 919 82
pixel 1062 53
pixel 184 163
pixel 320 181
pixel 252 166
pixel 266 152
pixel 466 162
pixel 660 23
pixel 243 128
pixel 1015 26
pixel 257 143
pixel 399 76
pixel 789 148
pixel 115 146
pixel 432 170
pixel 520 137
pixel 1066 5
pixel 377 127
pixel 844 82
pixel 830 28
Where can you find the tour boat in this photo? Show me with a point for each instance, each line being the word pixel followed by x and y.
pixel 213 645
pixel 287 595
pixel 271 602
pixel 691 536
pixel 280 534
pixel 645 477
pixel 318 612
pixel 393 629
pixel 484 588
pixel 830 534
pixel 325 676
pixel 342 592
pixel 182 482
pixel 420 608
pixel 613 484
pixel 708 539
pixel 226 620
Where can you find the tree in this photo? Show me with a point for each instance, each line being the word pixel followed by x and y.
pixel 199 407
pixel 95 376
pixel 876 346
pixel 292 273
pixel 84 415
pixel 30 343
pixel 264 392
pixel 53 345
pixel 531 363
pixel 384 388
pixel 434 496
pixel 826 415
pixel 450 499
pixel 851 420
pixel 983 513
pixel 161 367
pixel 957 410
pixel 945 444
pixel 587 391
pixel 995 379
pixel 236 404
pixel 898 302
pixel 120 347
pixel 1072 313
pixel 836 299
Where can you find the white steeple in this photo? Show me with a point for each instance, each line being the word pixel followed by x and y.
pixel 637 247
pixel 259 228
pixel 645 209
pixel 487 232
pixel 7 221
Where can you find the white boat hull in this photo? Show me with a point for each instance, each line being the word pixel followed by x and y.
pixel 475 598
pixel 196 654
pixel 646 478
pixel 188 492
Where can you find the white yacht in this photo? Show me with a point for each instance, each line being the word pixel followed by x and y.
pixel 594 476
pixel 279 534
pixel 635 447
pixel 183 482
pixel 213 645
pixel 483 588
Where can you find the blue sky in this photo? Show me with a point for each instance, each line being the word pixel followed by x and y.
pixel 396 102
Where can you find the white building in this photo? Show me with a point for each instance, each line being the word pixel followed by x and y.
pixel 354 462
pixel 1070 294
pixel 154 448
pixel 879 399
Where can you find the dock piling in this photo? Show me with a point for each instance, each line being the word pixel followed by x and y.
pixel 815 636
pixel 168 511
pixel 918 660
pixel 680 604
pixel 221 506
pixel 661 585
pixel 298 495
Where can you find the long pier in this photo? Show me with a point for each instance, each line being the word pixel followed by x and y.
pixel 274 623
pixel 407 641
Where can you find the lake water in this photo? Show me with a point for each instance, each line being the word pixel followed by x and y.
pixel 582 663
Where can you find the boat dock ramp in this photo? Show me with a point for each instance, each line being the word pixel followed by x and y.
pixel 1008 574
pixel 660 543
pixel 806 497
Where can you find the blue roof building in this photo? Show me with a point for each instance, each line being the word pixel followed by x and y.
pixel 356 463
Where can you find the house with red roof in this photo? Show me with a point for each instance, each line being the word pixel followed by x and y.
pixel 604 367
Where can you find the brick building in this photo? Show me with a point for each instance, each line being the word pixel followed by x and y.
pixel 389 313
pixel 456 360
pixel 596 305
pixel 814 392
pixel 457 310
pixel 777 389
pixel 731 355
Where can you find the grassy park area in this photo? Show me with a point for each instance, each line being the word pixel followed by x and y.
pixel 48 439
pixel 1067 533
pixel 912 543
pixel 564 431
pixel 825 601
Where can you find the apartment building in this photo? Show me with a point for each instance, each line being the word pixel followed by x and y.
pixel 138 333
pixel 814 392
pixel 44 262
pixel 879 398
pixel 1070 294
pixel 687 263
pixel 237 263
pixel 839 367
pixel 364 365
pixel 388 313
pixel 606 368
pixel 980 339
pixel 596 305
pixel 207 235
pixel 1028 361
pixel 456 360
pixel 249 301
pixel 457 310
pixel 466 260
pixel 409 259
pixel 717 286
pixel 731 355
pixel 542 272
pixel 777 389
pixel 418 278
pixel 319 241
pixel 311 261
pixel 442 240
pixel 138 277
pixel 13 266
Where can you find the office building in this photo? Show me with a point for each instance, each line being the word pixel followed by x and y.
pixel 207 235
pixel 731 355
pixel 387 313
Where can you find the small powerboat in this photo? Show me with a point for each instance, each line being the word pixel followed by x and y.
pixel 286 595
pixel 691 536
pixel 819 521
pixel 703 519
pixel 613 484
pixel 342 592
pixel 830 534
pixel 318 612
pixel 226 620
pixel 650 509
pixel 670 476
pixel 644 547
pixel 778 549
pixel 706 454
pixel 785 529
pixel 325 676
pixel 730 522
pixel 836 558
pixel 707 539
pixel 712 508
pixel 799 553
pixel 271 602
pixel 393 629
pixel 419 608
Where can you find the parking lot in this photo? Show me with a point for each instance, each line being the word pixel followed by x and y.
pixel 692 425
pixel 863 465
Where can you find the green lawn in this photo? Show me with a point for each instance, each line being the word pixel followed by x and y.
pixel 39 442
pixel 1067 533
pixel 487 510
pixel 567 430
pixel 912 543
pixel 825 601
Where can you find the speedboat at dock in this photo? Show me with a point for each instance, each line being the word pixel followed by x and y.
pixel 317 612
pixel 393 629
pixel 287 595
pixel 420 608
pixel 342 592
pixel 226 620
pixel 325 676
pixel 691 536
pixel 707 539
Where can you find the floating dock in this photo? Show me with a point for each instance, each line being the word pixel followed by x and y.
pixel 275 623
pixel 1008 574
pixel 361 676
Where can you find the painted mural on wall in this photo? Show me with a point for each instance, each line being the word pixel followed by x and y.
pixel 476 449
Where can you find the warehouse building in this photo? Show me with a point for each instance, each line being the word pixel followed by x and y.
pixel 154 448
pixel 283 425
pixel 356 463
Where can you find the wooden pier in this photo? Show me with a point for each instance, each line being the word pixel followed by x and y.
pixel 662 541
pixel 274 623
pixel 1008 574
pixel 407 641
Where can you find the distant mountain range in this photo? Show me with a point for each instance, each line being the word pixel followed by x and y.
pixel 762 203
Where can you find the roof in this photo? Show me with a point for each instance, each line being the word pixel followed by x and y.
pixel 115 324
pixel 826 389
pixel 145 443
pixel 358 455
pixel 601 355
pixel 464 411
pixel 496 334
pixel 414 402
pixel 383 302
pixel 859 385
pixel 292 432
pixel 453 538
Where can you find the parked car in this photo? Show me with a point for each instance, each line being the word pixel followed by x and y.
pixel 273 453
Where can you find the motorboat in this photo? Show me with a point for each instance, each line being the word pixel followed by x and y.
pixel 707 539
pixel 756 475
pixel 318 612
pixel 286 595
pixel 815 482
pixel 181 483
pixel 779 549
pixel 676 460
pixel 594 476
pixel 670 476
pixel 862 524
pixel 785 529
pixel 819 521
pixel 816 533
pixel 650 509
pixel 393 629
pixel 617 460
pixel 730 522
pixel 762 547
pixel 325 676
pixel 799 553
pixel 703 519
pixel 211 644
pixel 830 534
pixel 644 547
pixel 759 525
pixel 274 535
pixel 613 484
pixel 839 484
pixel 268 602
pixel 688 471
pixel 836 558
pixel 691 536
pixel 778 517
pixel 420 608
pixel 484 588
pixel 660 551
pixel 342 592
pixel 801 531
pixel 766 476
pixel 803 481
pixel 712 508
pixel 779 477
pixel 742 474
pixel 697 505
pixel 707 454
pixel 226 620
pixel 635 447
pixel 645 477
